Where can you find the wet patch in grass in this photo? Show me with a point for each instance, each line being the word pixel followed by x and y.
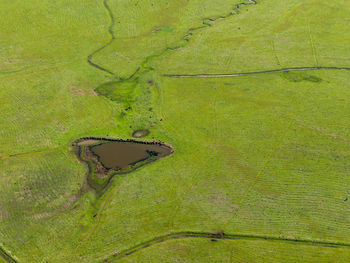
pixel 300 76
pixel 109 157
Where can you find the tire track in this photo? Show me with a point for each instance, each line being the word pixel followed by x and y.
pixel 252 73
pixel 111 32
pixel 223 236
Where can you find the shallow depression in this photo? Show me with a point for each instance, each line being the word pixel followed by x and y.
pixel 140 133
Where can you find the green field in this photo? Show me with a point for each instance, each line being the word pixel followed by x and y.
pixel 261 168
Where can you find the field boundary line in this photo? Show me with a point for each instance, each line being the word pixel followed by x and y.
pixel 252 73
pixel 224 236
pixel 6 256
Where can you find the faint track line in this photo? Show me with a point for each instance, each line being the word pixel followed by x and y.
pixel 211 148
pixel 231 255
pixel 274 51
pixel 312 45
pixel 46 150
pixel 244 196
pixel 324 132
pixel 14 71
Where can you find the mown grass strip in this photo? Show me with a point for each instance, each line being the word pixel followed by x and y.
pixel 223 236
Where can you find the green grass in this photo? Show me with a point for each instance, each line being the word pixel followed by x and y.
pixel 262 154
pixel 193 250
pixel 269 35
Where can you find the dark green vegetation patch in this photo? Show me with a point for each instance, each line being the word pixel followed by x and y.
pixel 300 76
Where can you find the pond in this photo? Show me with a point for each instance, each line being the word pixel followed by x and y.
pixel 119 155
pixel 108 157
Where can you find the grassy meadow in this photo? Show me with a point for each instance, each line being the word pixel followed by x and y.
pixel 234 251
pixel 261 155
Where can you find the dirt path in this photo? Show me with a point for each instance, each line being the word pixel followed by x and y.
pixel 223 236
pixel 252 73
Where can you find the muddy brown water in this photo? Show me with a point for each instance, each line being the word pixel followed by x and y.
pixel 120 155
